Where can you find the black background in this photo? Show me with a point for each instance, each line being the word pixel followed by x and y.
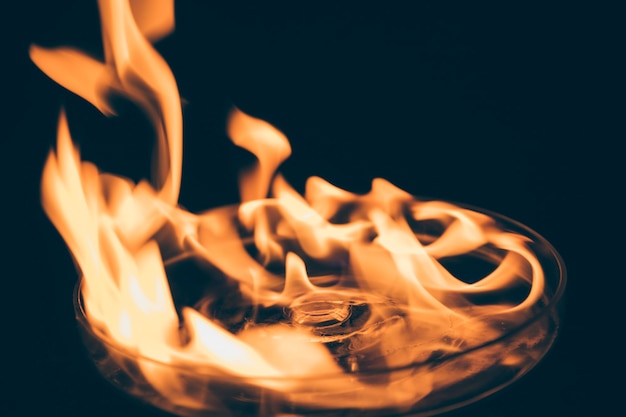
pixel 515 107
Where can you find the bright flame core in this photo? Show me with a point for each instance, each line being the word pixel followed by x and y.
pixel 335 272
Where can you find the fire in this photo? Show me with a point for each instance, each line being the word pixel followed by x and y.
pixel 328 283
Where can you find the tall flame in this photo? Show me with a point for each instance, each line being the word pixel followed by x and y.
pixel 372 258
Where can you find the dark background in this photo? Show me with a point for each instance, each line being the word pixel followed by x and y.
pixel 515 107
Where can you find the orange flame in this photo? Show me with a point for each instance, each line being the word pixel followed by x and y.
pixel 372 257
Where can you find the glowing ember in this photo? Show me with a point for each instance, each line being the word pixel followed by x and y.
pixel 307 301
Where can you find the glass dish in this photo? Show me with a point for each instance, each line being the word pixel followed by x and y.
pixel 427 387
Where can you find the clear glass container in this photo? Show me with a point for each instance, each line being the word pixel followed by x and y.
pixel 431 386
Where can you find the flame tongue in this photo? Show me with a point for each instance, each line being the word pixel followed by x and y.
pixel 133 68
pixel 267 143
pixel 320 278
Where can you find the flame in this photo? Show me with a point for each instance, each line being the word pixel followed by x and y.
pixel 323 257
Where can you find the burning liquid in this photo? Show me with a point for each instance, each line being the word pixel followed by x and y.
pixel 344 350
pixel 285 303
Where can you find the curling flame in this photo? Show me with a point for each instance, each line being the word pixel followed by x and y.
pixel 341 267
